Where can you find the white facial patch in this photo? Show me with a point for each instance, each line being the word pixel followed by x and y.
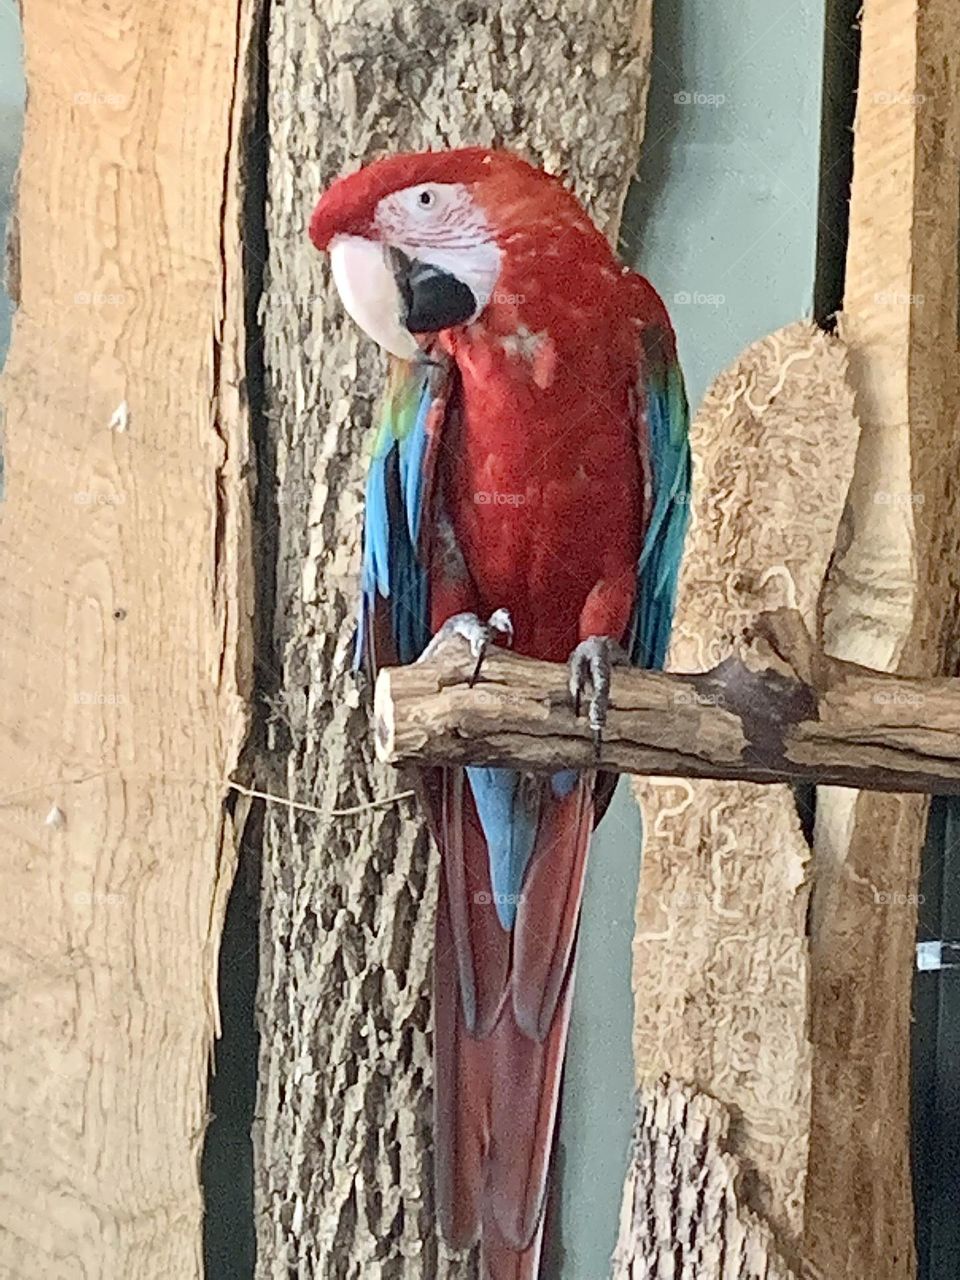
pixel 369 293
pixel 439 223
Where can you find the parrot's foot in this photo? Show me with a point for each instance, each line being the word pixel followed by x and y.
pixel 591 664
pixel 477 634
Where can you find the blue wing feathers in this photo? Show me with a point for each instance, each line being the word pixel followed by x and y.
pixel 413 456
pixel 376 535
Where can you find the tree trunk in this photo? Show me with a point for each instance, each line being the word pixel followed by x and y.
pixel 124 628
pixel 721 968
pixel 343 1177
pixel 683 1212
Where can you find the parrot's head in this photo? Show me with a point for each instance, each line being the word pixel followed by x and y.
pixel 430 241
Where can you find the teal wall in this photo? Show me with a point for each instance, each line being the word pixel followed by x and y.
pixel 723 220
pixel 11 120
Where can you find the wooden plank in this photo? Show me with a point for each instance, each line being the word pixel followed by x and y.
pixel 891 604
pixel 124 628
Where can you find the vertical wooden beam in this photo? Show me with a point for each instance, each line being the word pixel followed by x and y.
pixel 890 603
pixel 123 628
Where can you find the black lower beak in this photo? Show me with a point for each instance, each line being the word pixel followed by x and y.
pixel 432 299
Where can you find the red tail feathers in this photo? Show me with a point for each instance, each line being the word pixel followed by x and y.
pixel 501 1014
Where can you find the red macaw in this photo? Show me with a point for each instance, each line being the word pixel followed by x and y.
pixel 529 483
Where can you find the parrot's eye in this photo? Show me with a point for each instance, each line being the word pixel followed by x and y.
pixel 426 199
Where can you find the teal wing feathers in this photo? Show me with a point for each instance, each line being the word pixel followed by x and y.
pixel 667 416
pixel 394 621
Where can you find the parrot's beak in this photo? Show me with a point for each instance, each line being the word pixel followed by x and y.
pixel 392 297
pixel 368 291
pixel 433 299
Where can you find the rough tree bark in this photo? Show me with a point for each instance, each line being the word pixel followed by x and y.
pixel 683 1211
pixel 343 1181
pixel 124 629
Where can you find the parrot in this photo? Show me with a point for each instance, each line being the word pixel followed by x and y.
pixel 528 485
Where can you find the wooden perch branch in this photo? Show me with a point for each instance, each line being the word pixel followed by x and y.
pixel 780 711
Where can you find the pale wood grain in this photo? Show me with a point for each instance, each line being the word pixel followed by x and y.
pixel 890 603
pixel 124 630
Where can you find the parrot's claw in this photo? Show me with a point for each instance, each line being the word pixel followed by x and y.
pixel 477 634
pixel 591 664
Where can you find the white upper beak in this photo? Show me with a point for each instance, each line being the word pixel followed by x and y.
pixel 369 293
